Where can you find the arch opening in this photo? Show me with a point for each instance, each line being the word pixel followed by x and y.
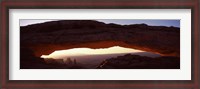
pixel 91 58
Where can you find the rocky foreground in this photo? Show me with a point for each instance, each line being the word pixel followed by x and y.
pixel 140 62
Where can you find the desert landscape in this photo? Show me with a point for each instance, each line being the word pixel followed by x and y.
pixel 91 44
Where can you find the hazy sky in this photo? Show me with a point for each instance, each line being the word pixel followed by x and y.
pixel 175 23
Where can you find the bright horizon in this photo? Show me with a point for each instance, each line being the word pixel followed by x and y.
pixel 88 51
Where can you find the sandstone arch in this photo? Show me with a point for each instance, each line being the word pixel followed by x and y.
pixel 58 35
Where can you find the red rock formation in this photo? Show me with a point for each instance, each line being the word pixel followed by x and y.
pixel 45 38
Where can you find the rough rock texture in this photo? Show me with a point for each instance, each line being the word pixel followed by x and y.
pixel 56 35
pixel 140 62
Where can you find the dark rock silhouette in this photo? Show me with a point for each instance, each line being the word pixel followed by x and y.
pixel 140 62
pixel 47 37
pixel 74 62
pixel 69 61
pixel 29 61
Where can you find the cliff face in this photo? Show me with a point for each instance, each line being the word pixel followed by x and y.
pixel 45 38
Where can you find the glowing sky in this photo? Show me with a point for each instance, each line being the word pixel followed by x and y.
pixel 88 51
pixel 175 23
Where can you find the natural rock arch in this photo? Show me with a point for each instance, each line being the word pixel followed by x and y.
pixel 47 37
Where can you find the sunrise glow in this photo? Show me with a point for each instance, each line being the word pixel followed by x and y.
pixel 89 51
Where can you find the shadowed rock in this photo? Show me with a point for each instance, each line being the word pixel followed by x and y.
pixel 140 62
pixel 47 37
pixel 29 61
